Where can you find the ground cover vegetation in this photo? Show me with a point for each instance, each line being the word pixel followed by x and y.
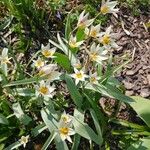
pixel 57 65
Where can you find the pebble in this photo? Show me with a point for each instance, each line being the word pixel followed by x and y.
pixel 145 93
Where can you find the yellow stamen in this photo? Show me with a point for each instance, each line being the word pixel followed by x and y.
pixel 105 40
pixel 93 33
pixel 43 90
pixel 24 139
pixel 104 9
pixel 39 63
pixel 79 75
pixel 64 130
pixel 5 60
pixel 92 79
pixel 47 53
pixel 72 44
pixel 93 56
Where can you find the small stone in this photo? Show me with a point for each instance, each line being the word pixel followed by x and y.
pixel 129 93
pixel 145 93
pixel 148 78
pixel 130 72
pixel 128 85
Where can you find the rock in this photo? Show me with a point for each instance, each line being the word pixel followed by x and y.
pixel 129 93
pixel 130 72
pixel 145 93
pixel 128 85
pixel 148 78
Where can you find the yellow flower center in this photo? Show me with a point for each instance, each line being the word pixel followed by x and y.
pixel 5 60
pixel 39 63
pixel 93 56
pixel 105 40
pixel 79 75
pixel 64 130
pixel 24 139
pixel 72 44
pixel 47 53
pixel 92 79
pixel 93 33
pixel 43 90
pixel 104 9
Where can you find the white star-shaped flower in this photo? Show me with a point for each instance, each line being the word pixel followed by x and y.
pixel 79 75
pixel 47 51
pixel 83 20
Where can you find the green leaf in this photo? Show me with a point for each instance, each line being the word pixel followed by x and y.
pixel 25 81
pixel 84 130
pixel 3 120
pixel 6 23
pixel 80 34
pixel 75 95
pixel 68 27
pixel 25 119
pixel 141 106
pixel 38 129
pixel 24 92
pixel 13 146
pixel 98 128
pixel 112 92
pixel 63 61
pixel 142 144
pixel 49 140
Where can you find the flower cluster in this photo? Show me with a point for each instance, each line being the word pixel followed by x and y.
pixel 65 127
pixel 98 47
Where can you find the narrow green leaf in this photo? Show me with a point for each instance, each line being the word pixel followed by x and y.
pixel 63 61
pixel 38 129
pixel 13 146
pixel 24 92
pixel 98 128
pixel 68 27
pixel 75 95
pixel 141 106
pixel 3 120
pixel 25 119
pixel 85 131
pixel 142 144
pixel 25 81
pixel 49 140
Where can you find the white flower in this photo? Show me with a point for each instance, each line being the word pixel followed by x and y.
pixel 93 31
pixel 50 72
pixel 65 119
pixel 83 20
pixel 38 63
pixel 97 53
pixel 108 7
pixel 106 38
pixel 77 64
pixel 65 133
pixel 24 140
pixel 44 89
pixel 78 76
pixel 4 57
pixel 47 51
pixel 94 78
pixel 73 42
pixel 4 61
